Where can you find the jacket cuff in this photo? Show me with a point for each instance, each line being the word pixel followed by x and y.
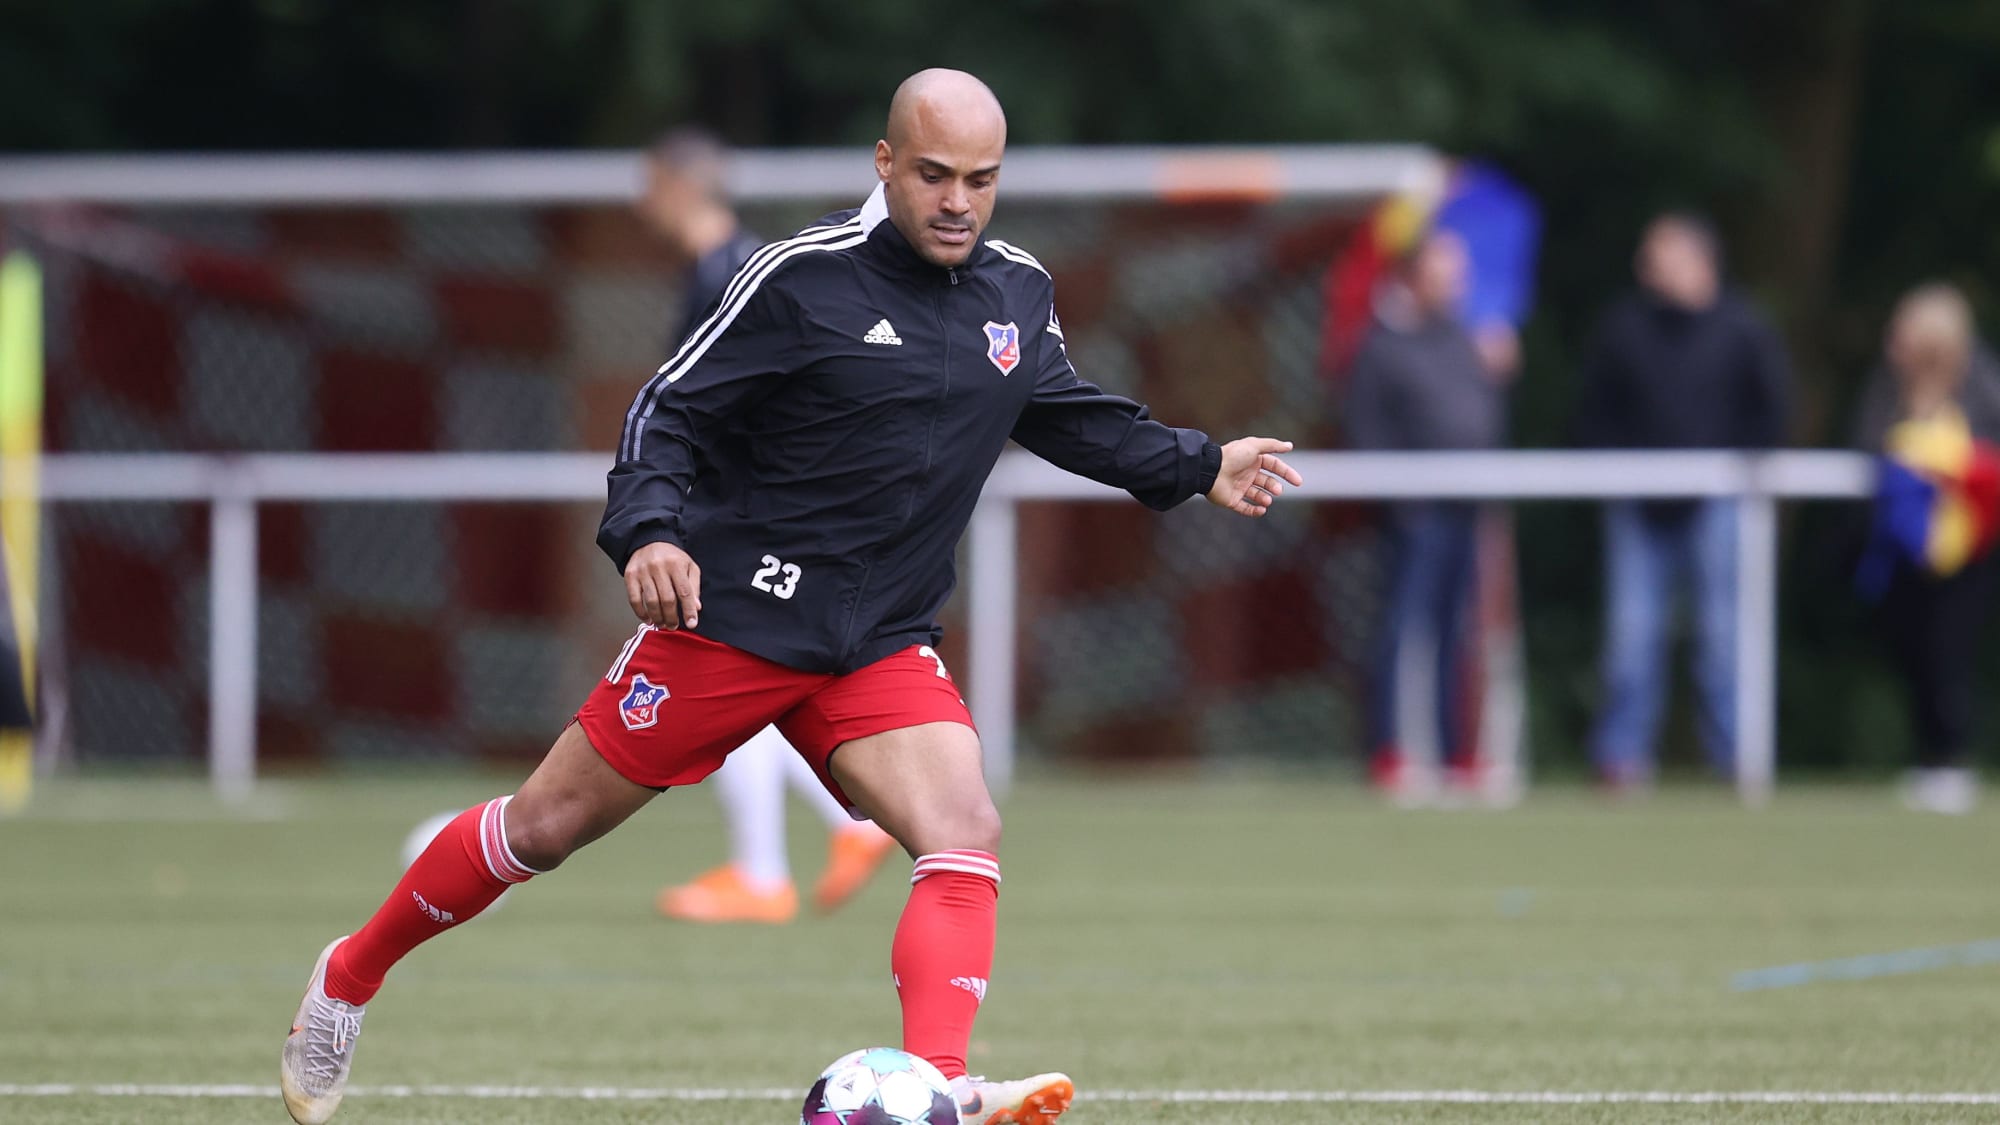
pixel 1211 467
pixel 652 531
pixel 646 536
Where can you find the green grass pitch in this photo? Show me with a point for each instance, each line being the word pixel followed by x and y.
pixel 1155 936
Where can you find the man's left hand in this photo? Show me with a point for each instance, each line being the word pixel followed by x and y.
pixel 1252 477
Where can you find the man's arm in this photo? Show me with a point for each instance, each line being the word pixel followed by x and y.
pixel 1108 438
pixel 1114 441
pixel 1767 414
pixel 1599 416
pixel 733 357
pixel 1370 421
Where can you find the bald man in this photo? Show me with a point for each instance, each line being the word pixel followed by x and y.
pixel 789 491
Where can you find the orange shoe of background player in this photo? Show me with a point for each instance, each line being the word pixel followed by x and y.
pixel 723 895
pixel 852 855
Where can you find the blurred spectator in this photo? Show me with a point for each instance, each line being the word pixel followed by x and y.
pixel 1419 382
pixel 686 202
pixel 1682 363
pixel 1932 410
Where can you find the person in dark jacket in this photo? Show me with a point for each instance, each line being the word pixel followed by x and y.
pixel 817 443
pixel 1927 410
pixel 686 203
pixel 1419 382
pixel 1682 363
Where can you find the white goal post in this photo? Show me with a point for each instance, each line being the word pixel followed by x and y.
pixel 233 486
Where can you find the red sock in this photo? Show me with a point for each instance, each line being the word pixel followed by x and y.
pixel 944 952
pixel 463 870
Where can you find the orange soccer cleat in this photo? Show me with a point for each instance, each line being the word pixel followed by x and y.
pixel 853 854
pixel 1028 1101
pixel 724 895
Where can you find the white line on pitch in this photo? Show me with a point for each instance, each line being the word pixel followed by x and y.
pixel 1210 1097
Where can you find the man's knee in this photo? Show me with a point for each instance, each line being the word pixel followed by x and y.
pixel 572 798
pixel 545 824
pixel 544 832
pixel 969 824
pixel 982 825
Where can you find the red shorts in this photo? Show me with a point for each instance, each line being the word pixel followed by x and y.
pixel 675 704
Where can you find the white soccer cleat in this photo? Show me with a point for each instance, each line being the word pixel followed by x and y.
pixel 1030 1101
pixel 313 1073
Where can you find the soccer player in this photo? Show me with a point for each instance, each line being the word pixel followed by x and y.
pixel 686 202
pixel 788 493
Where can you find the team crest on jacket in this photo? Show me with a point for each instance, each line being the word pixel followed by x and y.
pixel 641 706
pixel 1003 345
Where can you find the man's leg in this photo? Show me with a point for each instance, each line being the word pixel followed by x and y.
pixel 756 884
pixel 894 740
pixel 1457 585
pixel 1637 592
pixel 854 848
pixel 800 779
pixel 1398 624
pixel 925 785
pixel 572 798
pixel 1712 547
pixel 751 788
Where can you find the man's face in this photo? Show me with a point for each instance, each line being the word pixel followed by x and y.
pixel 1438 274
pixel 1675 264
pixel 941 185
pixel 669 199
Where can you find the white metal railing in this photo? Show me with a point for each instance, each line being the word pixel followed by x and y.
pixel 1323 172
pixel 233 486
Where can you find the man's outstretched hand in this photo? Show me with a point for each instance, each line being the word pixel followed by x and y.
pixel 664 586
pixel 1252 476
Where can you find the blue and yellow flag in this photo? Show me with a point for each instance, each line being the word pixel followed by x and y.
pixel 1937 500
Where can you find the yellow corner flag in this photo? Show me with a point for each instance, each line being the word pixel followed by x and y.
pixel 20 508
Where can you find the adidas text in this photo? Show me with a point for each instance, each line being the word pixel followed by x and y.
pixel 441 917
pixel 974 985
pixel 882 334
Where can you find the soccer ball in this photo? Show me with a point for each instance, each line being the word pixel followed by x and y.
pixel 420 838
pixel 880 1086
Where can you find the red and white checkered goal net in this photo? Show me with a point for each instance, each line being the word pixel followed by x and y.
pixel 399 631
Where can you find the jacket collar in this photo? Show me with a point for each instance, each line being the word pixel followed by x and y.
pixel 887 247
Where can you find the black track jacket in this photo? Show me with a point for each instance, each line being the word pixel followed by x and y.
pixel 818 442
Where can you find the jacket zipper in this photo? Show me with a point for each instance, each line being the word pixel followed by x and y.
pixel 930 443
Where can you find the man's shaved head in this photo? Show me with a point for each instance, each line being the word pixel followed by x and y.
pixel 939 161
pixel 940 98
